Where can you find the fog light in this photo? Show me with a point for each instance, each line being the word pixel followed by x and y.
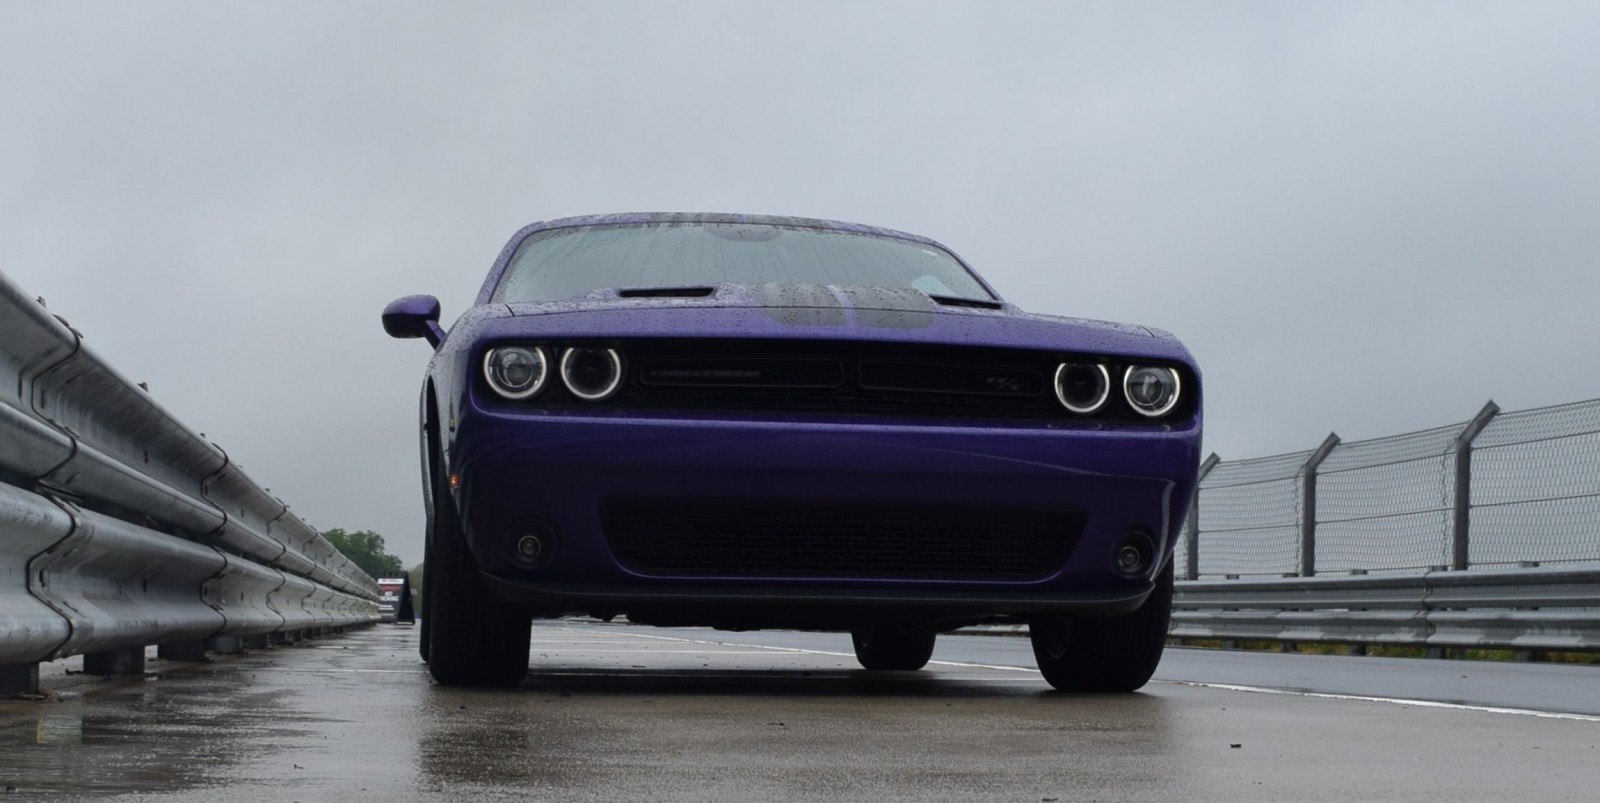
pixel 530 548
pixel 1132 554
pixel 533 546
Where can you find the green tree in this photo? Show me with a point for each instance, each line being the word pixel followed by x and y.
pixel 365 549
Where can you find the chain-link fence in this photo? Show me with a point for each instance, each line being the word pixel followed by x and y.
pixel 1503 490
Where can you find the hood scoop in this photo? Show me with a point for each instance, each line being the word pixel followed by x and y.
pixel 666 292
pixel 972 303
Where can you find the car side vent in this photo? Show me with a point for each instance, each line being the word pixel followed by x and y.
pixel 666 292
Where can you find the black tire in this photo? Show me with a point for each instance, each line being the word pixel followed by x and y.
pixel 422 640
pixel 475 641
pixel 1112 654
pixel 892 649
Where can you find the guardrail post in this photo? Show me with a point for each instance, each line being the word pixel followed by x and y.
pixel 225 645
pixel 1191 568
pixel 129 661
pixel 1308 505
pixel 1462 514
pixel 19 679
pixel 182 651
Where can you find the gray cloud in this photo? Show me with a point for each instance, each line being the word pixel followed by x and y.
pixel 1367 217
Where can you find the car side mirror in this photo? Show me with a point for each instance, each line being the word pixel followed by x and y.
pixel 414 316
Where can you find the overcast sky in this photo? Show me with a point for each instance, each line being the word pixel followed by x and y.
pixel 1361 217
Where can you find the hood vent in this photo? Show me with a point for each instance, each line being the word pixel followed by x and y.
pixel 975 303
pixel 666 292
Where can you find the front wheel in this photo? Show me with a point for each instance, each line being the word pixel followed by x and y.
pixel 890 649
pixel 422 639
pixel 1112 654
pixel 473 640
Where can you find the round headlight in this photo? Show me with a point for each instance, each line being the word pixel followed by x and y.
pixel 1082 387
pixel 591 374
pixel 515 372
pixel 1151 391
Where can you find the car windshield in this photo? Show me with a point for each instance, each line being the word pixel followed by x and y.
pixel 564 263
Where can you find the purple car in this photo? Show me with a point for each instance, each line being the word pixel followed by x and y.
pixel 746 422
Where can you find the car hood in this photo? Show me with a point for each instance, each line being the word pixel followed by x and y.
pixel 820 312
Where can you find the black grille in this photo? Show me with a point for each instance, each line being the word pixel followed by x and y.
pixel 941 383
pixel 793 373
pixel 669 538
pixel 974 380
pixel 840 378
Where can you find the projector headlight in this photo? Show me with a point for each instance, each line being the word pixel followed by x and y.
pixel 1151 391
pixel 515 372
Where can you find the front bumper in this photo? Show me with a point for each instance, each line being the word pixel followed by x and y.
pixel 755 608
pixel 561 468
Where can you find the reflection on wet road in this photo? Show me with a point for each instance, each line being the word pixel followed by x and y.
pixel 625 712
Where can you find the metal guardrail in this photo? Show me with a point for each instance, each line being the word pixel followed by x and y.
pixel 1534 609
pixel 1480 534
pixel 120 527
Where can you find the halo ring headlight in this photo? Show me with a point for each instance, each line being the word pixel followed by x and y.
pixel 1152 391
pixel 516 372
pixel 1066 384
pixel 591 374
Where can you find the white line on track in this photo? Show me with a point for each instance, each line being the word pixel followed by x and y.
pixel 821 652
pixel 649 651
pixel 1487 709
pixel 578 641
pixel 418 671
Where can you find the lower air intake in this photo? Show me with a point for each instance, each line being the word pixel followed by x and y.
pixel 677 539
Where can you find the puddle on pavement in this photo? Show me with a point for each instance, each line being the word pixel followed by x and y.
pixel 137 735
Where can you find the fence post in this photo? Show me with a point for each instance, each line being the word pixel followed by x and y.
pixel 1191 568
pixel 1308 505
pixel 1462 514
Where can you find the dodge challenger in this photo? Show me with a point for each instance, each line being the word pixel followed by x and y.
pixel 745 422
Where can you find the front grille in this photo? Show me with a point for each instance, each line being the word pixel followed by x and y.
pixel 940 384
pixel 840 378
pixel 976 380
pixel 677 539
pixel 791 373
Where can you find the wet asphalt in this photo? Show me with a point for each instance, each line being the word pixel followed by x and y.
pixel 619 712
